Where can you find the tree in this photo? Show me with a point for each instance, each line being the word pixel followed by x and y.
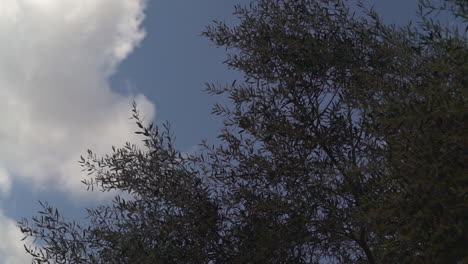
pixel 345 143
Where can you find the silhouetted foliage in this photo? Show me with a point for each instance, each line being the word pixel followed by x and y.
pixel 344 143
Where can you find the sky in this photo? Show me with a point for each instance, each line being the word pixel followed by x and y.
pixel 69 71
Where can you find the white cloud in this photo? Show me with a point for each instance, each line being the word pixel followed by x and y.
pixel 56 58
pixel 5 182
pixel 11 246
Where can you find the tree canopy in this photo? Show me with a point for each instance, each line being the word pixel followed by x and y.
pixel 345 142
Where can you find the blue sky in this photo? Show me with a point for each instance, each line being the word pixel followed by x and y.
pixel 68 73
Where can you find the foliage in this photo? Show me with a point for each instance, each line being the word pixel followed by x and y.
pixel 345 143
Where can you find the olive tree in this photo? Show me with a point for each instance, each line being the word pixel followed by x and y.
pixel 343 143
